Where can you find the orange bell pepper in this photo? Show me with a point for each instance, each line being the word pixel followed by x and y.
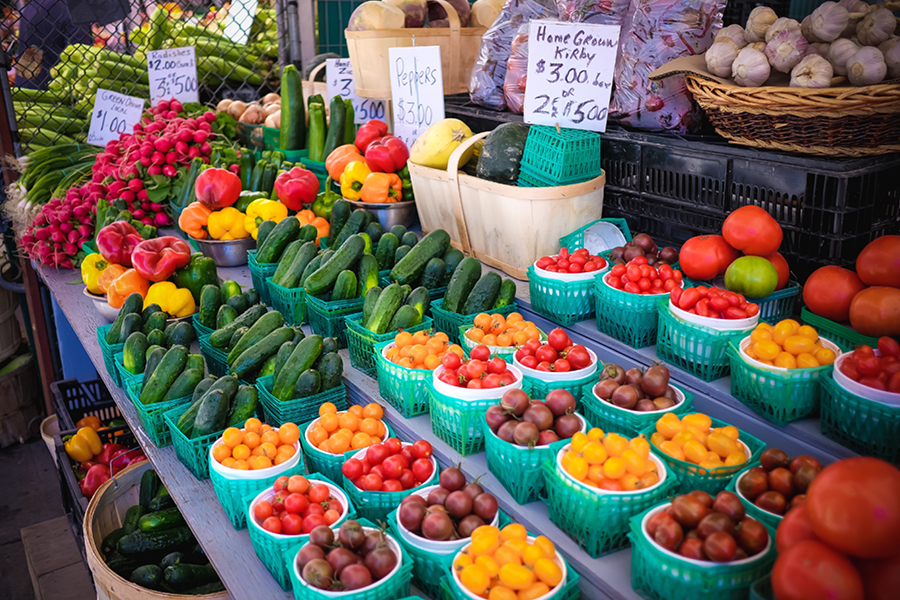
pixel 323 228
pixel 340 158
pixel 109 275
pixel 381 187
pixel 306 217
pixel 193 220
pixel 89 421
pixel 126 284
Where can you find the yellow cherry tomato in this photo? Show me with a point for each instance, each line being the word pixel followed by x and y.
pixel 825 356
pixel 799 344
pixel 807 361
pixel 766 349
pixel 786 360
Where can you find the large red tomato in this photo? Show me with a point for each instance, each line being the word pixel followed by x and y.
pixel 813 571
pixel 879 262
pixel 854 506
pixel 753 231
pixel 881 577
pixel 793 529
pixel 781 265
pixel 705 257
pixel 829 291
pixel 875 311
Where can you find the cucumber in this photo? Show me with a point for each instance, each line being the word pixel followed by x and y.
pixel 161 520
pixel 369 304
pixel 108 545
pixel 148 576
pixel 149 487
pixel 419 299
pixel 302 358
pixel 407 290
pixel 170 329
pixel 326 256
pixel 150 542
pixel 265 325
pixel 265 228
pixel 409 239
pixel 185 384
pixel 366 275
pixel 183 576
pixel 375 231
pixel 314 264
pixel 301 260
pixel 150 350
pixel 133 303
pixel 406 316
pixel 134 352
pixel 210 301
pixel 132 516
pixel 337 117
pixel 283 234
pixel 162 501
pixel 367 249
pixel 220 337
pixel 308 233
pixel 507 294
pixel 464 278
pixel 172 558
pixel 330 369
pixel 345 258
pixel 131 324
pixel 202 388
pixel 195 361
pixel 150 310
pixel 121 566
pixel 284 263
pixel 388 302
pixel 308 384
pixel 340 212
pixel 401 253
pixel 298 333
pixel 244 405
pixel 292 133
pixel 268 368
pixel 213 413
pixel 183 335
pixel 236 337
pixel 228 385
pixel 329 345
pixel 387 248
pixel 284 353
pixel 156 321
pixel 252 296
pixel 225 315
pixel 433 277
pixel 155 338
pixel 411 266
pixel 483 295
pixel 229 288
pixel 399 231
pixel 355 223
pixel 253 358
pixel 171 365
pixel 153 361
pixel 345 287
pixel 238 303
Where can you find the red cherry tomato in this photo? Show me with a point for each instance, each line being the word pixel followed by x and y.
pixel 490 381
pixel 422 468
pixel 451 360
pixel 371 482
pixel 272 524
pixel 561 365
pixel 474 384
pixel 888 346
pixel 407 479
pixel 496 365
pixel 392 485
pixel 422 449
pixel 529 361
pixel 474 369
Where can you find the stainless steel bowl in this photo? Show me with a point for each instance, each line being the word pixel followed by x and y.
pixel 391 213
pixel 230 253
pixel 100 303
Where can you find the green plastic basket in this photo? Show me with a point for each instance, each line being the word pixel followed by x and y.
pixel 325 463
pixel 660 575
pixel 569 591
pixel 216 360
pixel 301 410
pixel 125 376
pixel 151 415
pixel 575 239
pixel 627 422
pixel 259 272
pixel 778 305
pixel 271 137
pixel 599 523
pixel 275 550
pixel 712 481
pixel 699 350
pixel 561 156
pixel 109 352
pixel 763 516
pixel 563 302
pixel 450 323
pixel 539 388
pixel 458 422
pixel 361 341
pixel 402 387
pixel 867 427
pixel 290 302
pixel 846 338
pixel 192 452
pixel 629 318
pixel 327 318
pixel 201 329
pixel 89 247
pixel 779 396
pixel 762 589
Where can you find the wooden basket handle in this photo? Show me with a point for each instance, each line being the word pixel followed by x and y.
pixel 453 179
pixel 455 47
pixel 315 71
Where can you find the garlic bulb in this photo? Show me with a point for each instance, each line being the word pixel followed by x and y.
pixel 887 45
pixel 853 7
pixel 892 60
pixel 806 29
pixel 781 24
pixel 758 23
pixel 735 33
pixel 828 21
pixel 821 48
pixel 866 67
pixel 786 49
pixel 758 46
pixel 840 52
pixel 876 27
pixel 750 68
pixel 720 57
pixel 812 72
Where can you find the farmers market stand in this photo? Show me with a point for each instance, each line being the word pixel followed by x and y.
pixel 231 552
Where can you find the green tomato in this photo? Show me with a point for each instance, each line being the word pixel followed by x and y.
pixel 752 276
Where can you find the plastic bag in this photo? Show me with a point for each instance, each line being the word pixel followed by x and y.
pixel 489 72
pixel 606 12
pixel 655 32
pixel 517 72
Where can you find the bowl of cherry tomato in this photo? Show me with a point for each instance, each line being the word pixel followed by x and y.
pixel 863 371
pixel 580 265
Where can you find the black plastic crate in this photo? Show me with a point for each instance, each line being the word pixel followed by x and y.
pixel 737 11
pixel 77 399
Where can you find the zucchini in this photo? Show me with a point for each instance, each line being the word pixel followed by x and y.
pixel 184 576
pixel 253 358
pixel 131 324
pixel 386 306
pixel 387 248
pixel 244 405
pixel 270 250
pixel 171 365
pixel 507 294
pixel 369 304
pixel 150 542
pixel 419 299
pixel 265 325
pixel 220 337
pixel 185 384
pixel 134 353
pixel 433 277
pixel 153 360
pixel 330 369
pixel 409 239
pixel 412 265
pixel 132 516
pixel 292 134
pixel 464 278
pixel 225 315
pixel 345 287
pixel 308 384
pixel 355 223
pixel 345 258
pixel 149 487
pixel 340 212
pixel 301 260
pixel 161 520
pixel 406 316
pixel 284 263
pixel 401 253
pixel 148 576
pixel 302 358
pixel 366 275
pixel 283 354
pixel 349 123
pixel 311 267
pixel 132 304
pixel 337 116
pixel 316 141
pixel 483 295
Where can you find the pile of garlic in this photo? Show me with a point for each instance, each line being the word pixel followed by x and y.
pixel 839 39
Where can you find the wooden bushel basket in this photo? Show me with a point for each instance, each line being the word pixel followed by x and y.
pixel 369 54
pixel 105 513
pixel 505 226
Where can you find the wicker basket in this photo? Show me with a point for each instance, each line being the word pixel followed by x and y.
pixel 834 121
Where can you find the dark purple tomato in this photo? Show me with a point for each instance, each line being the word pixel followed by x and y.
pixel 458 504
pixel 485 506
pixel 355 577
pixel 804 476
pixel 688 510
pixel 692 548
pixel 654 381
pixel 614 372
pixel 318 573
pixel 507 431
pixel 669 534
pixel 704 498
pixel 414 498
pixel 380 562
pixel 539 415
pixel 469 524
pixel 322 536
pixel 753 483
pixel 374 539
pixel 752 536
pixel 515 402
pixel 496 416
pixel 474 489
pixel 719 547
pixel 410 515
pixel 567 426
pixel 547 437
pixel 782 481
pixel 351 534
pixel 340 558
pixel 437 526
pixel 713 522
pixel 307 553
pixel 773 458
pixel 560 402
pixel 437 496
pixel 729 505
pixel 452 479
pixel 604 389
pixel 771 501
pixel 526 434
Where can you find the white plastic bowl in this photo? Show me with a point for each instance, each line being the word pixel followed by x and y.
pixel 331 594
pixel 229 473
pixel 863 391
pixel 747 341
pixel 557 559
pixel 436 546
pixel 660 469
pixel 719 324
pixel 737 490
pixel 467 394
pixel 701 563
pixel 678 394
pixel 570 276
pixel 554 376
pixel 583 429
pixel 102 306
pixel 269 493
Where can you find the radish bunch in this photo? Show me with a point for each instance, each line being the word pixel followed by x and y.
pixel 56 234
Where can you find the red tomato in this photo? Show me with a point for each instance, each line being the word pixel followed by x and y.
pixel 272 524
pixel 875 311
pixel 422 469
pixel 689 299
pixel 532 344
pixel 407 479
pixel 377 470
pixel 507 378
pixel 781 265
pixel 449 377
pixel 543 366
pixel 376 453
pixel 280 483
pixel 675 294
pixel 751 230
pixel 881 577
pixel 704 257
pixel 422 449
pixel 578 357
pixel 451 360
pixel 491 381
pixel 879 262
pixel 813 571
pixel 793 529
pixel 407 454
pixel 296 503
pixel 319 493
pixel 298 484
pixel 561 365
pixel 313 521
pixel 474 384
pixel 291 525
pixel 529 361
pixel 618 270
pixel 480 352
pixel 558 339
pixel 496 365
pixel 263 510
pixel 391 485
pixel 393 466
pixel 371 482
pixel 474 369
pixel 393 445
pixel 854 506
pixel 888 346
pixel 829 291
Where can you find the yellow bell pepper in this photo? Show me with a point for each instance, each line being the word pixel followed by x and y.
pixel 261 210
pixel 92 268
pixel 78 448
pixel 227 224
pixel 352 179
pixel 92 438
pixel 177 302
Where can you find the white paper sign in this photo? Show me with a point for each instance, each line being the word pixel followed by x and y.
pixel 113 115
pixel 339 77
pixel 570 72
pixel 417 90
pixel 239 21
pixel 173 74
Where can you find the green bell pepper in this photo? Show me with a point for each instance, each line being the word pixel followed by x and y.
pixel 324 202
pixel 199 272
pixel 406 181
pixel 246 197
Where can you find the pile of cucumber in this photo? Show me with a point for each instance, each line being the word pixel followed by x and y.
pixel 398 242
pixel 151 322
pixel 217 404
pixel 469 292
pixel 306 368
pixel 222 304
pixel 395 307
pixel 272 239
pixel 155 549
pixel 252 341
pixel 169 373
pixel 345 221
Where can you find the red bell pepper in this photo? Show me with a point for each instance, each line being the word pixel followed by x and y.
pixel 86 465
pixel 370 132
pixel 117 241
pixel 217 188
pixel 159 258
pixel 124 458
pixel 387 155
pixel 296 188
pixel 96 476
pixel 108 451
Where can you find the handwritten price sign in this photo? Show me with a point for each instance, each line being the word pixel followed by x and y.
pixel 339 77
pixel 173 74
pixel 417 90
pixel 113 115
pixel 570 71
